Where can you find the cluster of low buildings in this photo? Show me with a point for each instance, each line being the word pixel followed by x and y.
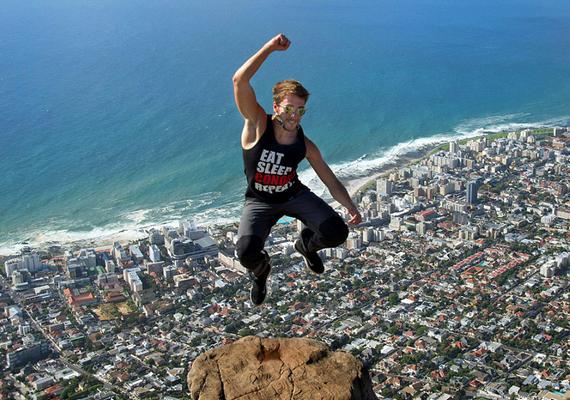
pixel 455 286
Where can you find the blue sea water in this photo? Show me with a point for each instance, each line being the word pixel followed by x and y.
pixel 119 114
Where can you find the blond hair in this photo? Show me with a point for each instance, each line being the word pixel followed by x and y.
pixel 287 87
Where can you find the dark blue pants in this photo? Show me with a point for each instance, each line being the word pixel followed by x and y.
pixel 323 226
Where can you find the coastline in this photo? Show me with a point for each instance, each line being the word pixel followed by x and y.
pixel 407 155
pixel 354 186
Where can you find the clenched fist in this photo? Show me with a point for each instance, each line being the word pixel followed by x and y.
pixel 279 43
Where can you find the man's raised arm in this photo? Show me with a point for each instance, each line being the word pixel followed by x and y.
pixel 243 92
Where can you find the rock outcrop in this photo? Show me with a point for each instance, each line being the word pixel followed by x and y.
pixel 254 368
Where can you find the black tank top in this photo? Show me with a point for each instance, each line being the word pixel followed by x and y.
pixel 271 168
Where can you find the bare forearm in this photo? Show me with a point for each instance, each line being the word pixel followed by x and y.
pixel 244 94
pixel 340 194
pixel 250 67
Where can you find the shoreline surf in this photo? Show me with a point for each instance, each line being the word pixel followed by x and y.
pixel 355 174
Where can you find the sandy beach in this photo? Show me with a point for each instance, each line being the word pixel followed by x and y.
pixel 353 185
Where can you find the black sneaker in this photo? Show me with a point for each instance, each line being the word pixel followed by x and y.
pixel 312 259
pixel 258 286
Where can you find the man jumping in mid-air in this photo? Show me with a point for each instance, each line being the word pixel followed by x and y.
pixel 273 146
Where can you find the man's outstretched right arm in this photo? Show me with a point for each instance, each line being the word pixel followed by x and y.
pixel 243 92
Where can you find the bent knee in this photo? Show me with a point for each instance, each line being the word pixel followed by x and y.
pixel 334 231
pixel 249 250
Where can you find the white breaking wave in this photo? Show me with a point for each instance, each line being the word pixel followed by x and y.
pixel 499 123
pixel 134 224
pixel 38 239
pixel 487 123
pixel 367 165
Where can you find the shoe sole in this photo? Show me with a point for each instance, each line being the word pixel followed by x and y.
pixel 307 264
pixel 266 284
pixel 253 302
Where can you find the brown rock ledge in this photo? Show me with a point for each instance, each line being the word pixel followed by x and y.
pixel 254 368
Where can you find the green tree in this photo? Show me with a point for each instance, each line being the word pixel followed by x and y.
pixel 245 331
pixel 234 327
pixel 393 299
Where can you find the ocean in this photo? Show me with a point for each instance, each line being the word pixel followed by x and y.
pixel 117 115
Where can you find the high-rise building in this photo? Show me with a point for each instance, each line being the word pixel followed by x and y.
pixel 30 260
pixel 395 223
pixel 11 266
pixel 559 131
pixel 471 193
pixel 453 147
pixel 88 257
pixel 380 235
pixel 430 192
pixel 421 228
pixel 354 241
pixel 460 218
pixel 74 268
pixel 23 355
pixel 77 267
pixel 136 252
pixel 368 235
pixel 168 272
pixel 17 278
pixel 155 237
pixel 547 270
pixel 446 188
pixel 130 275
pixel 477 145
pixel 454 205
pixel 452 162
pixel 189 229
pixel 24 329
pixel 415 182
pixel 154 253
pixel 563 260
pixel 107 279
pixel 469 232
pixel 110 266
pixel 119 253
pixel 383 187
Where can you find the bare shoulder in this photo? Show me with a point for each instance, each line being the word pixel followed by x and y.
pixel 318 163
pixel 253 129
pixel 312 149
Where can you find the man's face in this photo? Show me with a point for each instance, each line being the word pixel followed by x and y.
pixel 290 111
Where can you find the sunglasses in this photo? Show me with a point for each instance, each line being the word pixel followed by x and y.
pixel 289 109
